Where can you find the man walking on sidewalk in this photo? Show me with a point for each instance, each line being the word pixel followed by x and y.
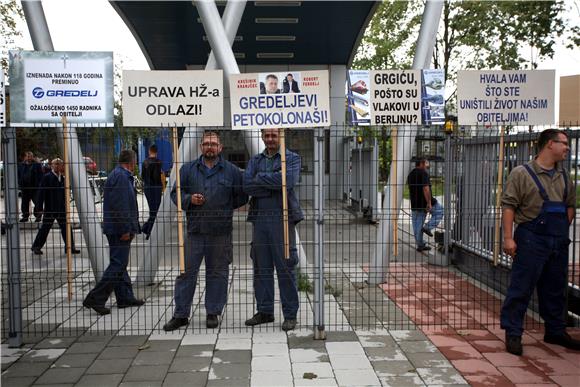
pixel 120 224
pixel 51 196
pixel 540 198
pixel 422 203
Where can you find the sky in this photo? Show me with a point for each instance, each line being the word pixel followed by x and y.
pixel 93 25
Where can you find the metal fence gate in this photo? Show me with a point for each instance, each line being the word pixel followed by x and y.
pixel 343 171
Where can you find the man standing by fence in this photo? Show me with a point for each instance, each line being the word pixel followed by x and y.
pixel 51 197
pixel 120 224
pixel 422 203
pixel 152 186
pixel 29 175
pixel 263 181
pixel 211 189
pixel 540 198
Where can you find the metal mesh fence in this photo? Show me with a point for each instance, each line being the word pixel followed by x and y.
pixel 455 287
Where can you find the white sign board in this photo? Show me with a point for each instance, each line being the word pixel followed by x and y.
pixel 515 97
pixel 45 86
pixel 295 99
pixel 2 101
pixel 173 98
pixel 395 97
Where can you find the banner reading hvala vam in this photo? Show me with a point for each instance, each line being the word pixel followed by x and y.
pixel 294 99
pixel 180 98
pixel 396 97
pixel 47 85
pixel 515 97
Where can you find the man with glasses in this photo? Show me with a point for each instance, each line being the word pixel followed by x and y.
pixel 211 189
pixel 540 198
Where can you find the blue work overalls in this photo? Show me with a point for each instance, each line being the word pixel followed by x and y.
pixel 542 262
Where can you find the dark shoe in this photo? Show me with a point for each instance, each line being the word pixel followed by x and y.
pixel 563 340
pixel 23 220
pixel 100 309
pixel 38 220
pixel 426 231
pixel 175 323
pixel 36 251
pixel 513 344
pixel 73 251
pixel 212 321
pixel 423 248
pixel 289 324
pixel 128 304
pixel 260 318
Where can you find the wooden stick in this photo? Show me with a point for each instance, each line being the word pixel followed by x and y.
pixel 394 166
pixel 67 209
pixel 179 213
pixel 498 192
pixel 284 195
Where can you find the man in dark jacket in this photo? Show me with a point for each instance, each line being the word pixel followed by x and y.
pixel 29 176
pixel 51 197
pixel 211 189
pixel 120 224
pixel 263 181
pixel 289 85
pixel 152 186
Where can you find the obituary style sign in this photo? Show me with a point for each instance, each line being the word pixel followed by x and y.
pixel 179 98
pixel 47 85
pixel 516 97
pixel 295 99
pixel 2 101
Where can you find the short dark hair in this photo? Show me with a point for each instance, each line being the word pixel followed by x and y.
pixel 290 74
pixel 547 135
pixel 126 156
pixel 420 161
pixel 153 148
pixel 208 133
pixel 271 76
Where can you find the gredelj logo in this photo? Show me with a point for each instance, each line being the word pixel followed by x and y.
pixel 37 92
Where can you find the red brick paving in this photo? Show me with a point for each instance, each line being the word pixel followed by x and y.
pixel 462 320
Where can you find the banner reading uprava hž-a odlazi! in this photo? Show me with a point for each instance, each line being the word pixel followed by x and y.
pixel 515 97
pixel 180 98
pixel 291 99
pixel 2 101
pixel 47 85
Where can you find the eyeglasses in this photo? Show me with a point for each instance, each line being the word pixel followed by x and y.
pixel 210 144
pixel 561 142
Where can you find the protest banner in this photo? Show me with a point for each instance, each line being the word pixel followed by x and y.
pixel 2 101
pixel 176 98
pixel 433 97
pixel 296 99
pixel 357 97
pixel 48 85
pixel 395 97
pixel 516 97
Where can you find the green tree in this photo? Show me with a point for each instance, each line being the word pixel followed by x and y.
pixel 472 34
pixel 10 14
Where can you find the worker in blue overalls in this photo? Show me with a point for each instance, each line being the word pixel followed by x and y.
pixel 211 189
pixel 540 199
pixel 263 181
